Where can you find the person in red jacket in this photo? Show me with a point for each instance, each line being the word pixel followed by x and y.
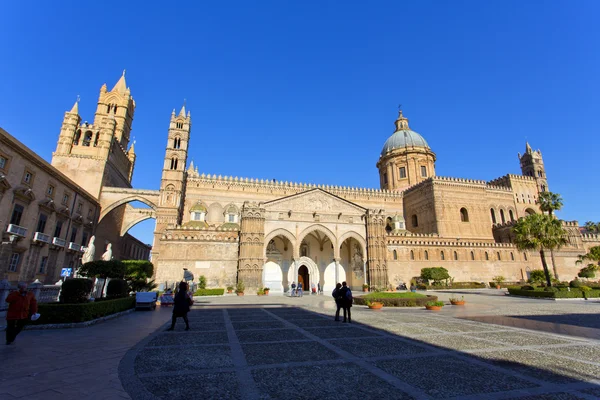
pixel 22 304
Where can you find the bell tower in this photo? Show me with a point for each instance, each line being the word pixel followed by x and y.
pixel 532 164
pixel 96 155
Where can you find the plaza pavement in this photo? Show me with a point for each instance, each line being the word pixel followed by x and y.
pixel 289 348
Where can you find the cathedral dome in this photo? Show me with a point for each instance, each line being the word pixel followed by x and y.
pixel 403 137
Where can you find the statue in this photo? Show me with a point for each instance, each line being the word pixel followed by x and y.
pixel 90 250
pixel 107 256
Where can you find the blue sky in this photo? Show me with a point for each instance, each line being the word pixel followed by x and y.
pixel 307 91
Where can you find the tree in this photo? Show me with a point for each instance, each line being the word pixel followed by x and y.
pixel 540 232
pixel 112 269
pixel 592 255
pixel 202 282
pixel 592 227
pixel 435 274
pixel 549 202
pixel 589 271
pixel 537 276
pixel 138 274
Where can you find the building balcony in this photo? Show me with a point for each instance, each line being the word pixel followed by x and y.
pixel 41 237
pixel 17 230
pixel 56 241
pixel 74 246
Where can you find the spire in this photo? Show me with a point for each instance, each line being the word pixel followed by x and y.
pixel 528 148
pixel 401 122
pixel 75 109
pixel 131 149
pixel 191 168
pixel 120 86
pixel 182 112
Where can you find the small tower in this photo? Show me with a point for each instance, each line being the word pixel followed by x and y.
pixel 532 164
pixel 95 155
pixel 172 185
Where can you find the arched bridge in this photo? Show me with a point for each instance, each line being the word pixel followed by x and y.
pixel 113 197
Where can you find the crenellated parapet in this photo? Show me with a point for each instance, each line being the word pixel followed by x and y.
pixel 197 234
pixel 449 181
pixel 410 241
pixel 283 187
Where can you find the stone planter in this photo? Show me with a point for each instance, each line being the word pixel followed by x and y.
pixel 365 290
pixel 433 308
pixel 230 291
pixel 240 293
pixel 498 287
pixel 375 305
pixel 458 303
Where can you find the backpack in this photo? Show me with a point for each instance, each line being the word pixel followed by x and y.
pixel 349 294
pixel 334 293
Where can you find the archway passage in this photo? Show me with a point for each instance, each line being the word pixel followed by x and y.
pixel 304 278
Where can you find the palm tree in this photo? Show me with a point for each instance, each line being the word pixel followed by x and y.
pixel 592 255
pixel 539 232
pixel 592 227
pixel 549 202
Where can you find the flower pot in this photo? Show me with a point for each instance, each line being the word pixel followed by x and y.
pixel 230 291
pixel 458 303
pixel 365 290
pixel 266 292
pixel 240 293
pixel 498 287
pixel 433 308
pixel 375 305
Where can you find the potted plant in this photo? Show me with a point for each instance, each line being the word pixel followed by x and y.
pixel 229 289
pixel 455 301
pixel 239 288
pixel 374 305
pixel 266 290
pixel 498 279
pixel 260 292
pixel 434 305
pixel 365 287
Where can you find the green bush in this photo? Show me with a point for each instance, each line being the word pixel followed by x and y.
pixel 588 272
pixel 467 285
pixel 202 282
pixel 527 287
pixel 576 284
pixel 550 289
pixel 139 273
pixel 537 276
pixel 435 304
pixel 56 313
pixel 585 288
pixel 209 292
pixel 117 288
pixel 562 287
pixel 529 292
pixel 76 290
pixel 394 295
pixel 422 286
pixel 592 294
pixel 394 301
pixel 504 284
pixel 435 274
pixel 240 287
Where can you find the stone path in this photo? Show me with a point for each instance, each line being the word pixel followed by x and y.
pixel 286 352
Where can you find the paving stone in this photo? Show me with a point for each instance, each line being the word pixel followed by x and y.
pixel 519 338
pixel 188 338
pixel 192 358
pixel 460 327
pixel 583 352
pixel 408 329
pixel 340 381
pixel 341 331
pixel 543 366
pixel 222 385
pixel 309 323
pixel 551 396
pixel 278 353
pixel 258 325
pixel 457 342
pixel 377 347
pixel 445 376
pixel 269 335
pixel 592 391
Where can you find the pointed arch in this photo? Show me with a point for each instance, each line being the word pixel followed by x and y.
pixel 359 239
pixel 279 232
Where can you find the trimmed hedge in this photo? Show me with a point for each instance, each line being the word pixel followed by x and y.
pixel 76 290
pixel 209 292
pixel 56 313
pixel 117 288
pixel 395 302
pixel 504 285
pixel 573 294
pixel 455 285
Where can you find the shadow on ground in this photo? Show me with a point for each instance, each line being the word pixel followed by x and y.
pixel 280 352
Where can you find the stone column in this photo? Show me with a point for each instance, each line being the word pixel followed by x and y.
pixel 252 237
pixel 377 248
pixel 337 270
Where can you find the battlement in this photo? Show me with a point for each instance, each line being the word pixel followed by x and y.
pixel 573 224
pixel 202 234
pixel 414 241
pixel 444 180
pixel 590 237
pixel 505 181
pixel 269 185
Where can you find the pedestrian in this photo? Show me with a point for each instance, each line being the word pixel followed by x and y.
pixel 300 289
pixel 21 306
pixel 313 288
pixel 338 303
pixel 293 288
pixel 345 295
pixel 319 288
pixel 183 301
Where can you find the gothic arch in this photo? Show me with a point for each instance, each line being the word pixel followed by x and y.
pixel 357 237
pixel 324 230
pixel 215 213
pixel 125 200
pixel 143 216
pixel 280 232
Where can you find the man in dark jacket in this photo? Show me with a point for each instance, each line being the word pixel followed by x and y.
pixel 22 304
pixel 338 302
pixel 345 295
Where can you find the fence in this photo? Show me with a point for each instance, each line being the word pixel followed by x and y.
pixel 43 293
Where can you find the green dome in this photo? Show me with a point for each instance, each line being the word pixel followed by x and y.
pixel 198 207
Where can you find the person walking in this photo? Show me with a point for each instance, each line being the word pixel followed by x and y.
pixel 313 288
pixel 319 291
pixel 293 288
pixel 300 289
pixel 338 302
pixel 21 306
pixel 183 301
pixel 345 295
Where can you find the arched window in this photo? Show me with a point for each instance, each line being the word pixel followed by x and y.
pixel 525 256
pixel 487 257
pixel 179 125
pixel 77 137
pixel 511 215
pixel 464 215
pixel 174 163
pixel 498 255
pixel 412 255
pixel 455 255
pixel 96 139
pixel 389 226
pixel 543 188
pixel 502 216
pixel 512 256
pixel 108 108
pixel 472 256
pixel 395 255
pixel 426 255
pixel 415 221
pixel 175 143
pixel 493 215
pixel 87 139
pixel 442 256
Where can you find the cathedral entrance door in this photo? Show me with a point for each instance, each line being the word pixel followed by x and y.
pixel 304 278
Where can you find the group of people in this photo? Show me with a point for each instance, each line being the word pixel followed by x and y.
pixel 298 290
pixel 343 300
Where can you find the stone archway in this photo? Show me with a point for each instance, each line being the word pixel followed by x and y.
pixel 313 271
pixel 322 229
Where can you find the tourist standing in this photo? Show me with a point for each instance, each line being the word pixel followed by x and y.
pixel 338 303
pixel 319 291
pixel 293 288
pixel 313 288
pixel 300 289
pixel 345 295
pixel 183 301
pixel 21 306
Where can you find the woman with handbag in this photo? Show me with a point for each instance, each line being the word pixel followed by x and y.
pixel 183 301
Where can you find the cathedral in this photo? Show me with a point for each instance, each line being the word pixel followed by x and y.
pixel 270 233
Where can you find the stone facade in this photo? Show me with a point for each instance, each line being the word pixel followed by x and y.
pixel 273 233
